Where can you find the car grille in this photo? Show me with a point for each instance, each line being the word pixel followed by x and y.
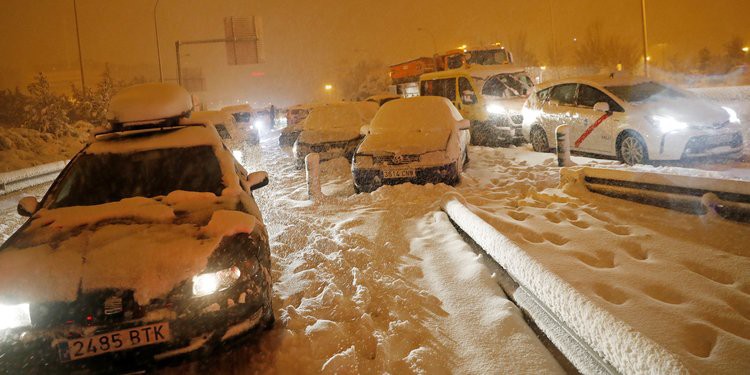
pixel 322 147
pixel 517 119
pixel 396 159
pixel 700 144
pixel 100 307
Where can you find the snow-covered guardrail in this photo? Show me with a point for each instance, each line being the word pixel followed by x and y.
pixel 27 177
pixel 621 346
pixel 729 199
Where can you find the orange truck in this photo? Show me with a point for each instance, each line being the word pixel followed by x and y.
pixel 405 76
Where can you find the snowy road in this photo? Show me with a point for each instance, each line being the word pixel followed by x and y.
pixel 380 282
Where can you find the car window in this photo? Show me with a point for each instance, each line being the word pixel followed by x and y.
pixel 242 116
pixel 564 94
pixel 644 91
pixel 508 85
pixel 588 96
pixel 467 93
pixel 101 178
pixel 440 87
pixel 543 95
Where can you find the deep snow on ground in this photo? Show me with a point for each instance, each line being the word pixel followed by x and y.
pixel 683 281
pixel 374 283
pixel 23 148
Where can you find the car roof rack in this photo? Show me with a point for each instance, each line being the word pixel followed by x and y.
pixel 116 129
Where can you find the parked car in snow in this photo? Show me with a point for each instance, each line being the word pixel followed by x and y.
pixel 294 117
pixel 148 245
pixel 419 140
pixel 224 124
pixel 381 99
pixel 636 120
pixel 333 130
pixel 490 97
pixel 243 117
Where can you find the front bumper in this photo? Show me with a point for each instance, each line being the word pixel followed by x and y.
pixel 496 132
pixel 327 151
pixel 696 144
pixel 24 350
pixel 287 139
pixel 370 179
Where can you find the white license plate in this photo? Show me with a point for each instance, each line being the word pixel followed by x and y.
pixel 116 341
pixel 399 173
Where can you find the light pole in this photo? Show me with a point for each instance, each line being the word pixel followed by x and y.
pixel 78 38
pixel 645 38
pixel 434 44
pixel 158 52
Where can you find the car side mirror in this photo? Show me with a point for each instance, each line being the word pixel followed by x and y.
pixel 463 124
pixel 257 180
pixel 601 107
pixel 27 206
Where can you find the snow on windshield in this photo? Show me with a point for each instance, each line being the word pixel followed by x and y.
pixel 509 85
pixel 101 178
pixel 339 116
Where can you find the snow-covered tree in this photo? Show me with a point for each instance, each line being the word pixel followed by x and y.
pixel 12 104
pixel 364 79
pixel 522 56
pixel 45 111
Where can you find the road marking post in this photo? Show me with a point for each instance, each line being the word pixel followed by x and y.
pixel 312 171
pixel 562 134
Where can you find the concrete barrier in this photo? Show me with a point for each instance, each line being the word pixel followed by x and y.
pixel 27 177
pixel 312 171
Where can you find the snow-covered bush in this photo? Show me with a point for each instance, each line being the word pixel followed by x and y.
pixel 12 104
pixel 46 111
pixel 365 79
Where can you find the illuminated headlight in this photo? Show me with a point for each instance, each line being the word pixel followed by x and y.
pixel 259 124
pixel 363 160
pixel 733 118
pixel 13 316
pixel 209 283
pixel 495 109
pixel 667 124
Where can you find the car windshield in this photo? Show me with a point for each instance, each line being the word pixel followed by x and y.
pixel 645 91
pixel 242 116
pixel 508 85
pixel 488 57
pixel 101 178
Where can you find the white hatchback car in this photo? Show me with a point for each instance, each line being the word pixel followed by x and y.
pixel 636 120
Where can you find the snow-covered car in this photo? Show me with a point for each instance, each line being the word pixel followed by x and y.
pixel 148 245
pixel 636 120
pixel 419 140
pixel 243 117
pixel 295 116
pixel 224 123
pixel 333 130
pixel 381 99
pixel 490 97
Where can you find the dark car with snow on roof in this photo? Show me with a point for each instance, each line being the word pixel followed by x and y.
pixel 333 131
pixel 419 140
pixel 148 245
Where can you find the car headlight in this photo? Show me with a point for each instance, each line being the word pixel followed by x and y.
pixel 13 316
pixel 209 283
pixel 259 124
pixel 495 109
pixel 667 124
pixel 733 118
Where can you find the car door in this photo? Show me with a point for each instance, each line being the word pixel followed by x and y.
pixel 594 129
pixel 467 102
pixel 559 109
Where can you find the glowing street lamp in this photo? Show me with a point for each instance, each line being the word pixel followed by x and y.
pixel 746 49
pixel 328 87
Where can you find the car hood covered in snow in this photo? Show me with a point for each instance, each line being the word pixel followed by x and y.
pixel 146 245
pixel 314 136
pixel 405 143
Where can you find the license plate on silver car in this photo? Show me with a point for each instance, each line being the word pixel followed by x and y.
pixel 74 349
pixel 399 173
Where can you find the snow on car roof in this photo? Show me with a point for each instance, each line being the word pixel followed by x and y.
pixel 350 115
pixel 149 102
pixel 477 71
pixel 379 97
pixel 601 80
pixel 420 114
pixel 237 108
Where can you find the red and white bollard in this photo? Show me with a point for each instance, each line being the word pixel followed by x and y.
pixel 562 134
pixel 312 169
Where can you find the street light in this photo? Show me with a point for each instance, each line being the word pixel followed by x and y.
pixel 645 38
pixel 328 87
pixel 746 49
pixel 158 53
pixel 78 38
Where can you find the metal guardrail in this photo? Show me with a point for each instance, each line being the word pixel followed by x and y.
pixel 27 177
pixel 729 199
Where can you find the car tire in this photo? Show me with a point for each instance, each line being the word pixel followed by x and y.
pixel 632 150
pixel 538 139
